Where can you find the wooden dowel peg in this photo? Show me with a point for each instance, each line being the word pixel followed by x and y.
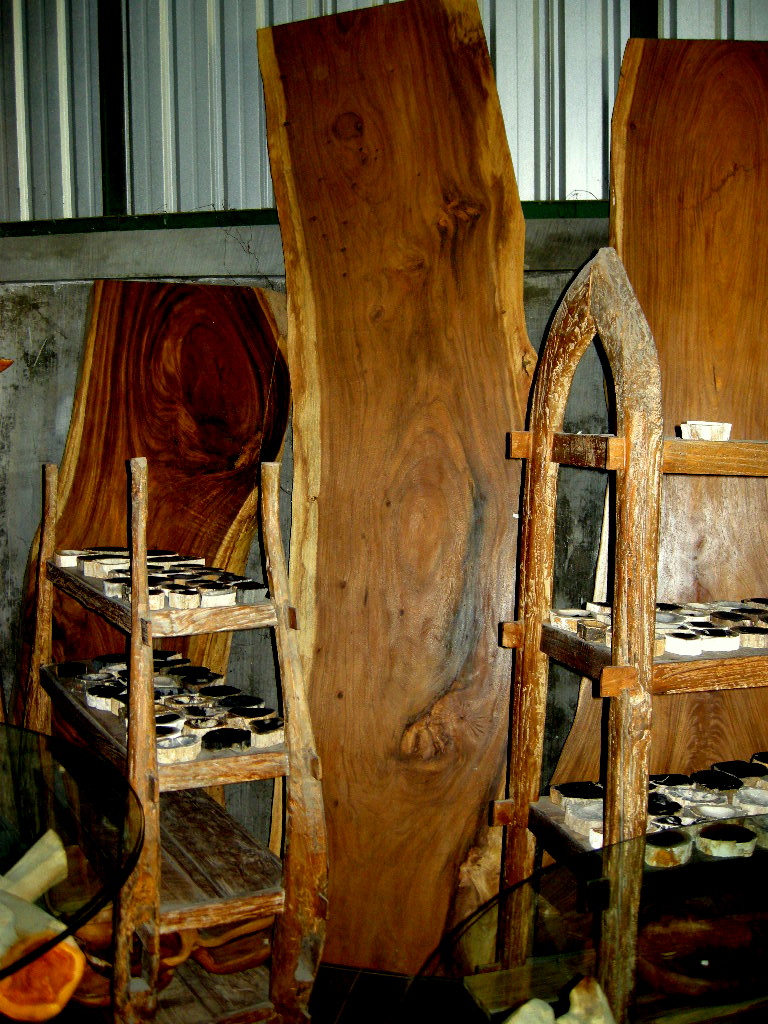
pixel 511 634
pixel 519 444
pixel 502 812
pixel 615 678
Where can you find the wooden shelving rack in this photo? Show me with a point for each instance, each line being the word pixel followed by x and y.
pixel 198 867
pixel 601 302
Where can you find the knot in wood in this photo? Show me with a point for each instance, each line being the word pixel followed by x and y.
pixel 348 125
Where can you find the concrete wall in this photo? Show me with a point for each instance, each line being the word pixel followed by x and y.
pixel 44 293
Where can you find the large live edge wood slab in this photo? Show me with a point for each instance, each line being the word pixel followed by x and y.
pixel 403 239
pixel 193 377
pixel 689 180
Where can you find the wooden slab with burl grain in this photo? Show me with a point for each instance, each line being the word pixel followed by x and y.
pixel 689 177
pixel 403 238
pixel 193 377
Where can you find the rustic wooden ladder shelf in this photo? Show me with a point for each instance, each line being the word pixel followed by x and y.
pixel 601 302
pixel 198 867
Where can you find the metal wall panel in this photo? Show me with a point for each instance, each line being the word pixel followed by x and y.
pixel 713 19
pixel 195 123
pixel 557 64
pixel 197 107
pixel 84 109
pixel 49 103
pixel 9 169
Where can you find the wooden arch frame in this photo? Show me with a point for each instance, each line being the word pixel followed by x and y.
pixel 600 301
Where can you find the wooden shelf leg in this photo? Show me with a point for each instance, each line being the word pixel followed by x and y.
pixel 515 926
pixel 37 709
pixel 623 866
pixel 300 931
pixel 138 906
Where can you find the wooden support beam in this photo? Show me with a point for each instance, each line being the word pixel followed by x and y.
pixel 590 451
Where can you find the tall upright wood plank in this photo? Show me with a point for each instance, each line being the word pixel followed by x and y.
pixel 192 377
pixel 403 239
pixel 690 221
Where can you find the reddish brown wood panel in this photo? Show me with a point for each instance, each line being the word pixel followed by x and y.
pixel 403 240
pixel 192 377
pixel 689 181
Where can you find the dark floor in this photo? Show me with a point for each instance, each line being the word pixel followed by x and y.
pixel 345 995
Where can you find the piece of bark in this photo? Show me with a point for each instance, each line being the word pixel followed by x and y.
pixel 587 1005
pixel 535 1011
pixel 42 866
pixel 403 240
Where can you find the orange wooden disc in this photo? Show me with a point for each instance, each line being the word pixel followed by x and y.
pixel 43 988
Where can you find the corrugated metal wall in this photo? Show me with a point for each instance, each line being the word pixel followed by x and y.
pixel 713 19
pixel 50 164
pixel 195 134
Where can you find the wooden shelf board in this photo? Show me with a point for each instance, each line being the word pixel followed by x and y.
pixel 213 871
pixel 164 622
pixel 715 458
pixel 117 613
pixel 586 658
pixel 176 915
pixel 105 733
pixel 175 622
pixel 701 458
pixel 99 730
pixel 196 996
pixel 725 670
pixel 547 822
pixel 221 769
pixel 672 673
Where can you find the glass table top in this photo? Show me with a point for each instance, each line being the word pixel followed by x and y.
pixel 79 827
pixel 693 947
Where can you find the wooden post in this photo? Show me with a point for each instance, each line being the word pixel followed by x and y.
pixel 37 708
pixel 137 909
pixel 300 930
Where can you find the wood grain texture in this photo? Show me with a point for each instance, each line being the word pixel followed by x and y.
pixel 716 458
pixel 688 218
pixel 192 377
pixel 299 935
pixel 403 240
